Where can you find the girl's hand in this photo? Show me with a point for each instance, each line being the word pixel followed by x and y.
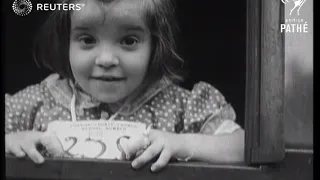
pixel 133 146
pixel 165 144
pixel 24 143
pixel 52 145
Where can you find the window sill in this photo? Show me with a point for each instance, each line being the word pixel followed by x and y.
pixel 297 165
pixel 111 169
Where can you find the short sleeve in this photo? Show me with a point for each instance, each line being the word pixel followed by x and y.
pixel 206 111
pixel 21 108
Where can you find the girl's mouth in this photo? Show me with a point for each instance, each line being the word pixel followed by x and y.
pixel 109 78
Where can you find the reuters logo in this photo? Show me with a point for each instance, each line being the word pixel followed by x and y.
pixel 22 7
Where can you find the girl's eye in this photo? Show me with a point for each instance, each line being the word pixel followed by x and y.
pixel 129 41
pixel 87 40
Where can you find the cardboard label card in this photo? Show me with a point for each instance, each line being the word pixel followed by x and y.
pixel 94 138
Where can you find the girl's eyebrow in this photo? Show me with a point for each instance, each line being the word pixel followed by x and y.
pixel 131 27
pixel 80 28
pixel 125 27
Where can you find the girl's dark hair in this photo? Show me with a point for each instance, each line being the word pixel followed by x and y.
pixel 51 47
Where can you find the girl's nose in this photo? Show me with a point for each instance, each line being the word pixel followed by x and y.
pixel 107 59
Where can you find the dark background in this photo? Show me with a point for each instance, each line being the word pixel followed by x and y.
pixel 212 41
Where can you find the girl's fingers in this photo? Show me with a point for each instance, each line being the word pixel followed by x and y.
pixel 152 151
pixel 136 145
pixel 163 160
pixel 127 148
pixel 139 152
pixel 32 152
pixel 52 144
pixel 16 150
pixel 12 147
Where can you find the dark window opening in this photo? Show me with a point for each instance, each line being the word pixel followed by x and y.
pixel 213 42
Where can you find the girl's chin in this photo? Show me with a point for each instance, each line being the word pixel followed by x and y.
pixel 111 98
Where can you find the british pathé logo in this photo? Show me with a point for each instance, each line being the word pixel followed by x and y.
pixel 294 24
pixel 297 5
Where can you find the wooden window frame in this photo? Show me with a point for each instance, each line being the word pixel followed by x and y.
pixel 263 124
pixel 264 82
pixel 296 166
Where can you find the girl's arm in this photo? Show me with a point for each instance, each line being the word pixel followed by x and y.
pixel 21 108
pixel 206 129
pixel 222 148
pixel 20 112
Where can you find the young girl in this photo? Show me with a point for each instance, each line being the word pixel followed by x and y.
pixel 117 58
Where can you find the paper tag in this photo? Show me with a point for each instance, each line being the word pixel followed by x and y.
pixel 94 138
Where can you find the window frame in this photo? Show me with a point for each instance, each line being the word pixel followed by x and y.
pixel 264 116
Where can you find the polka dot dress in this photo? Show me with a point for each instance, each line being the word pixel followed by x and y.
pixel 168 108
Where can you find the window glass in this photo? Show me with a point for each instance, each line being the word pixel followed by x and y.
pixel 299 76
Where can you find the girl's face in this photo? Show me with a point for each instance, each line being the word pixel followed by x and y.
pixel 110 48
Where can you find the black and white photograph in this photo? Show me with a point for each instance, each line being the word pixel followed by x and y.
pixel 158 89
